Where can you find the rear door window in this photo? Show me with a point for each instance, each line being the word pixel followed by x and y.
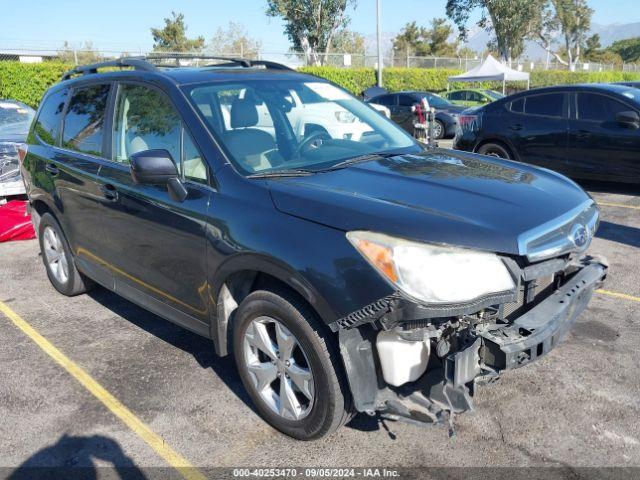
pixel 47 127
pixel 84 121
pixel 598 108
pixel 548 105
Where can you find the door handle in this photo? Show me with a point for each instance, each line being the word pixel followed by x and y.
pixel 516 126
pixel 52 169
pixel 109 192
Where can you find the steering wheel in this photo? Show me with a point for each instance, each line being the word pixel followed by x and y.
pixel 315 140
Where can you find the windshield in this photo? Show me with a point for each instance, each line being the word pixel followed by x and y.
pixel 436 101
pixel 494 95
pixel 633 94
pixel 275 125
pixel 15 118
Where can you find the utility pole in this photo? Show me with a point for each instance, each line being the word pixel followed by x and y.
pixel 379 34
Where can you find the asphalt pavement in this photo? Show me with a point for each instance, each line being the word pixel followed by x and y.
pixel 578 406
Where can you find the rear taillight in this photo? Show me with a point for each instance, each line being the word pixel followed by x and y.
pixel 22 152
pixel 467 120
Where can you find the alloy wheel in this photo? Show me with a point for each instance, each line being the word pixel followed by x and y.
pixel 279 368
pixel 55 255
pixel 437 130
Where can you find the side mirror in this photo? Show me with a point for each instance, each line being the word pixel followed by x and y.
pixel 485 100
pixel 154 167
pixel 628 119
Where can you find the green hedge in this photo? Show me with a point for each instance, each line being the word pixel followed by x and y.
pixel 395 79
pixel 28 82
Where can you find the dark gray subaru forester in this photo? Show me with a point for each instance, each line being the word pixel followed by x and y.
pixel 347 268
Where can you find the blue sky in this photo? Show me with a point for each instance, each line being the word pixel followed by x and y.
pixel 125 23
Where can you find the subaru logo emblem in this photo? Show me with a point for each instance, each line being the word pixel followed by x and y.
pixel 580 236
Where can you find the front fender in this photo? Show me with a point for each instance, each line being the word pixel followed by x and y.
pixel 261 263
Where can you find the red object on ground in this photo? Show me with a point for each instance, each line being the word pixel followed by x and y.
pixel 15 223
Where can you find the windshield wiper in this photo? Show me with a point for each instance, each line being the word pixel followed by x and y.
pixel 360 159
pixel 299 172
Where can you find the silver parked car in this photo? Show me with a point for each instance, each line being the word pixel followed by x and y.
pixel 15 120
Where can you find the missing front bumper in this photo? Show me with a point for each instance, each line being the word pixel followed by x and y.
pixel 538 331
pixel 480 355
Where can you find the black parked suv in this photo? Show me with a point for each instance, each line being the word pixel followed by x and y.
pixel 345 276
pixel 401 106
pixel 585 131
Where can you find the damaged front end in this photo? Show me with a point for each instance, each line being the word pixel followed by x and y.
pixel 409 361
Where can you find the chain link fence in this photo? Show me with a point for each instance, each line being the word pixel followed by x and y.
pixel 294 59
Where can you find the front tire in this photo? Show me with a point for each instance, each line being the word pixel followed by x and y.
pixel 290 365
pixel 438 130
pixel 58 259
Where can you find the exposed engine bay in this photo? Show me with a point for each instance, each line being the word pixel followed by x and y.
pixel 406 363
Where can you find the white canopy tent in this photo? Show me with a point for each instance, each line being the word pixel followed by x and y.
pixel 492 70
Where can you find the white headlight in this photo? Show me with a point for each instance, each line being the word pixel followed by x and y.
pixel 432 273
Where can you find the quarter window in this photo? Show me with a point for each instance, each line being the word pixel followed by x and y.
pixel 549 105
pixel 598 108
pixel 47 126
pixel 84 121
pixel 517 105
pixel 145 119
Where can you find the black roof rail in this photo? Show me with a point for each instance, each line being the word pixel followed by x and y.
pixel 144 63
pixel 231 61
pixel 138 63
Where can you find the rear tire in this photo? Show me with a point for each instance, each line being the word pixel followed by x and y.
pixel 314 405
pixel 58 259
pixel 495 150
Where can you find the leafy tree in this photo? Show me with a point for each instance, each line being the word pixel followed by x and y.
pixel 593 52
pixel 412 40
pixel 592 46
pixel 234 40
pixel 605 56
pixel 439 35
pixel 311 24
pixel 568 20
pixel 628 49
pixel 83 55
pixel 173 36
pixel 421 41
pixel 510 21
pixel 347 41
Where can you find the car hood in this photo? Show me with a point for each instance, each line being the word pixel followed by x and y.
pixel 438 196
